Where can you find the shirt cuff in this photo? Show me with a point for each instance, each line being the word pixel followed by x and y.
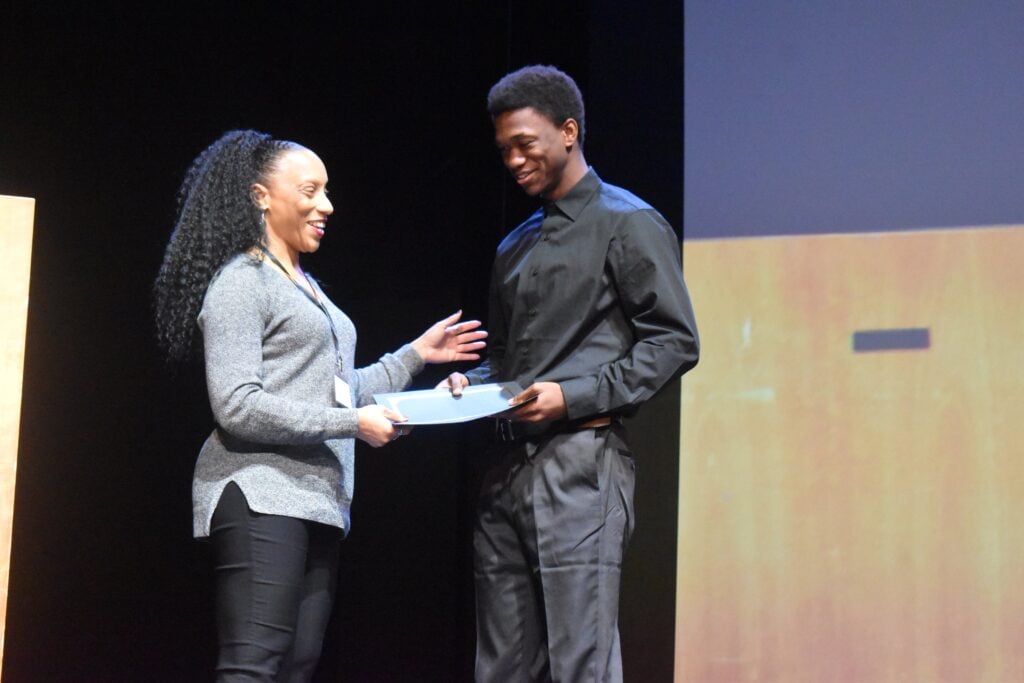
pixel 475 376
pixel 579 394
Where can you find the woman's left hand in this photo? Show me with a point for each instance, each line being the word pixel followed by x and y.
pixel 449 340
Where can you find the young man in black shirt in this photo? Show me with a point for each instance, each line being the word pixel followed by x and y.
pixel 589 312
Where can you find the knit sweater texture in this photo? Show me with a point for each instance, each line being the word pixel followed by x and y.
pixel 270 367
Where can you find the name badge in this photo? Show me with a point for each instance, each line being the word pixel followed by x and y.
pixel 342 392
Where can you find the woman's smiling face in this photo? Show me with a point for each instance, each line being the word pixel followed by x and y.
pixel 294 203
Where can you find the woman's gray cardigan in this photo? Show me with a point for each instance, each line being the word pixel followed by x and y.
pixel 270 365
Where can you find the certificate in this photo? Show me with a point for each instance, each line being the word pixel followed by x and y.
pixel 438 406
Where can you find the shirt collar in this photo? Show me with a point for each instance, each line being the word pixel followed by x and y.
pixel 579 196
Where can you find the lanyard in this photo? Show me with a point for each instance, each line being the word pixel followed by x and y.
pixel 315 299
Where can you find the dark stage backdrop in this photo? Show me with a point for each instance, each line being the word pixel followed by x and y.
pixel 100 113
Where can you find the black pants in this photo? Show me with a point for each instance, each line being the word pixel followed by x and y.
pixel 276 579
pixel 554 521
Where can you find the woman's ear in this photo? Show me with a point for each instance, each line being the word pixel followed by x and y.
pixel 258 192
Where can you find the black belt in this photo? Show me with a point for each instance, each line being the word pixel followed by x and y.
pixel 507 430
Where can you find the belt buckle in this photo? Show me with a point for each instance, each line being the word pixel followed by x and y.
pixel 504 430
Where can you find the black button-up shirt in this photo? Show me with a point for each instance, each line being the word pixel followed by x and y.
pixel 588 292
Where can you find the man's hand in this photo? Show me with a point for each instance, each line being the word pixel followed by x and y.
pixel 548 405
pixel 455 382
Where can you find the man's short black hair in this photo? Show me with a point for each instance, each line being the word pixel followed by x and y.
pixel 551 92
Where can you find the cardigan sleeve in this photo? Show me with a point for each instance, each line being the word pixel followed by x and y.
pixel 393 372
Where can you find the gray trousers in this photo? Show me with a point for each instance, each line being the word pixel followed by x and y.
pixel 553 523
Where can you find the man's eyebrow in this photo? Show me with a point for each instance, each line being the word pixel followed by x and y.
pixel 519 136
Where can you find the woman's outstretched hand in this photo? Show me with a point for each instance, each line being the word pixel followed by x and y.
pixel 449 340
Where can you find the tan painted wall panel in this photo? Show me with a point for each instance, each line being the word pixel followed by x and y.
pixel 16 214
pixel 854 516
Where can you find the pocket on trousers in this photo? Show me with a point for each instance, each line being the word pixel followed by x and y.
pixel 618 482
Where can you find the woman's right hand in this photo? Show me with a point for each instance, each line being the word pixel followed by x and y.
pixel 377 425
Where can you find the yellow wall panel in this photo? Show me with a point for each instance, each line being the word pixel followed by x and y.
pixel 16 214
pixel 854 516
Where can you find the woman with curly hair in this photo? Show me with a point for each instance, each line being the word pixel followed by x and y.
pixel 273 483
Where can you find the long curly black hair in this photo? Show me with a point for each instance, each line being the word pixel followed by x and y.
pixel 216 219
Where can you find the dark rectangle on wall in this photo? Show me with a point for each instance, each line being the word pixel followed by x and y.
pixel 905 339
